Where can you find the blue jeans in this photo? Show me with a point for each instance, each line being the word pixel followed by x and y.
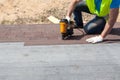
pixel 94 26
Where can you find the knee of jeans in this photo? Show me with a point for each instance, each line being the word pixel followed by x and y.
pixel 92 30
pixel 89 30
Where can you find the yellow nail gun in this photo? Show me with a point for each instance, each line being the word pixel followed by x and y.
pixel 66 29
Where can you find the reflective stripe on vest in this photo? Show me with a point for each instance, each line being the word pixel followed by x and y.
pixel 104 7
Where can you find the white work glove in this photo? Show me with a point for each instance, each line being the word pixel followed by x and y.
pixel 68 18
pixel 95 39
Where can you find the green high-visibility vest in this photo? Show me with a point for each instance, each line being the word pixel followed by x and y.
pixel 104 7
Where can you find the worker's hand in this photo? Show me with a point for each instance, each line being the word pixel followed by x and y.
pixel 68 18
pixel 95 39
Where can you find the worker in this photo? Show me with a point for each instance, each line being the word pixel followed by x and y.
pixel 105 11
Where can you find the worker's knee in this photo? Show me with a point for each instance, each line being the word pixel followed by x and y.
pixel 89 29
pixel 95 26
pixel 93 29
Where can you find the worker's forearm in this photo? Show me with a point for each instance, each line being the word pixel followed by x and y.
pixel 111 21
pixel 72 6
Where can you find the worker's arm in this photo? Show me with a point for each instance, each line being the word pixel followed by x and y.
pixel 111 21
pixel 109 25
pixel 71 8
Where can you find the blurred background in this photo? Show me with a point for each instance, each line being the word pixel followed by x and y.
pixel 34 11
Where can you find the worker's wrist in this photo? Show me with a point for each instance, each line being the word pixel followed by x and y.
pixel 102 36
